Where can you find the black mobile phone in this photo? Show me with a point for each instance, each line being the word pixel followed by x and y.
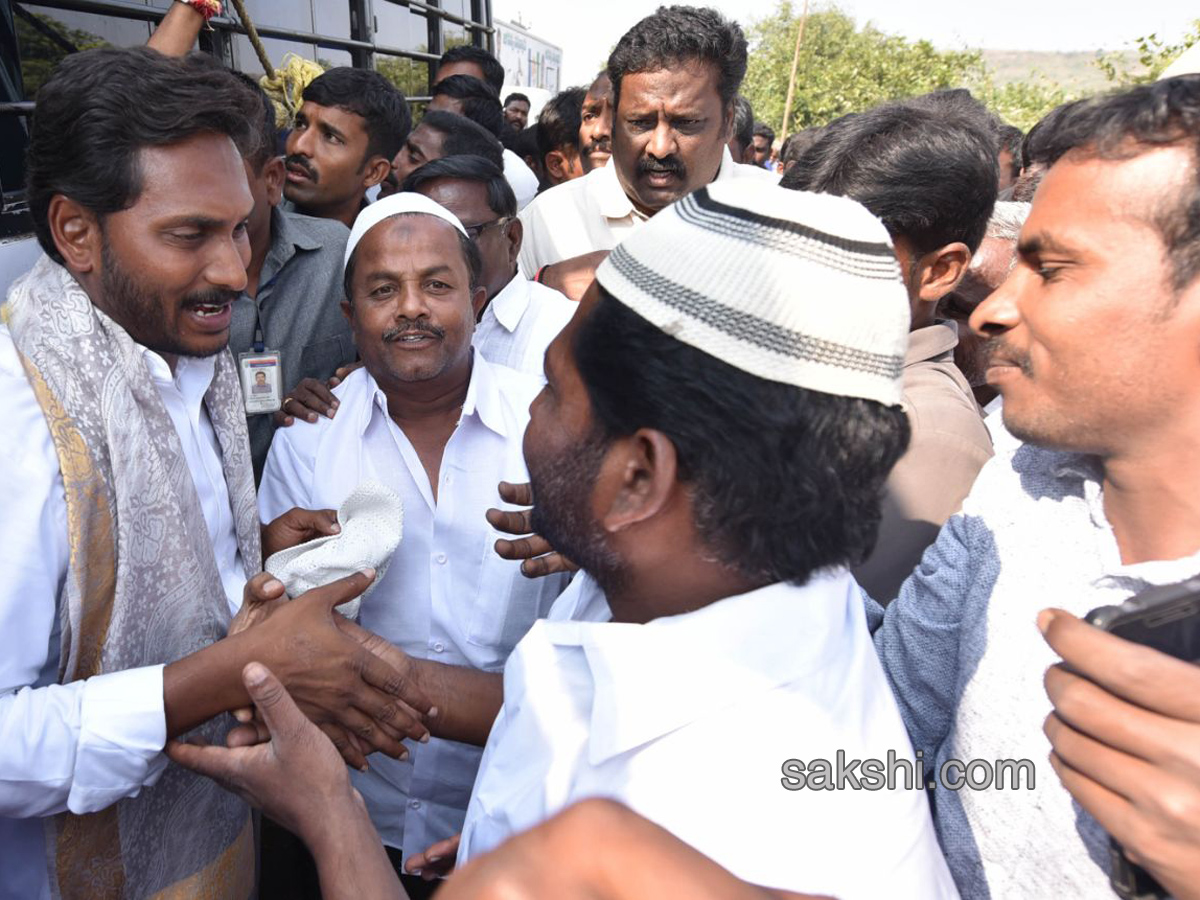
pixel 1166 619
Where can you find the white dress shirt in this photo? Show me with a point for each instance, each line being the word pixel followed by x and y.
pixel 80 746
pixel 519 324
pixel 688 720
pixel 446 595
pixel 592 213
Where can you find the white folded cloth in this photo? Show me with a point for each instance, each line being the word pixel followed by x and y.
pixel 372 521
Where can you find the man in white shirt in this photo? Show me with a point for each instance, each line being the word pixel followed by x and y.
pixel 672 118
pixel 522 317
pixel 716 592
pixel 430 418
pixel 129 527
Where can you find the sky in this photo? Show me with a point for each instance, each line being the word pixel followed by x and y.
pixel 1046 25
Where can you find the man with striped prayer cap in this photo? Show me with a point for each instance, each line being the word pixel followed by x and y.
pixel 719 420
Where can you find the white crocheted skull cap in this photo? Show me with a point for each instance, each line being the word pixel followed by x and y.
pixel 798 288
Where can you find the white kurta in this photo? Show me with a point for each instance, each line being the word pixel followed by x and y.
pixel 446 595
pixel 80 746
pixel 519 324
pixel 688 721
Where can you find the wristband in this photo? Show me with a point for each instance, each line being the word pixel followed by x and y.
pixel 540 272
pixel 206 8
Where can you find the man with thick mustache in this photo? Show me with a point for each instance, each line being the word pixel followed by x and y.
pixel 439 425
pixel 595 126
pixel 351 124
pixel 674 76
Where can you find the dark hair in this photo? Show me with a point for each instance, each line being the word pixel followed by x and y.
pixel 762 129
pixel 1126 124
pixel 368 94
pixel 558 124
pixel 679 34
pixel 796 145
pixel 1011 138
pixel 743 122
pixel 100 108
pixel 930 175
pixel 265 120
pixel 479 102
pixel 784 481
pixel 501 199
pixel 515 96
pixel 462 137
pixel 470 256
pixel 493 71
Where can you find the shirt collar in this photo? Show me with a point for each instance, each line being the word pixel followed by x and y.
pixel 483 399
pixel 615 203
pixel 510 304
pixel 193 375
pixel 289 233
pixel 931 342
pixel 652 679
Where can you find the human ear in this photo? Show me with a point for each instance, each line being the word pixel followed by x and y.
pixel 514 234
pixel 941 270
pixel 378 168
pixel 557 165
pixel 273 175
pixel 637 479
pixel 76 234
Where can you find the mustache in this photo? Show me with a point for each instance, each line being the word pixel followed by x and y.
pixel 995 349
pixel 601 146
pixel 417 327
pixel 301 162
pixel 211 297
pixel 647 165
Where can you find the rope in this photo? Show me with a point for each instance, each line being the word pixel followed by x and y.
pixel 284 86
pixel 255 40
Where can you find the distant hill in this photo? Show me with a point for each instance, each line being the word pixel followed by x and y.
pixel 1074 71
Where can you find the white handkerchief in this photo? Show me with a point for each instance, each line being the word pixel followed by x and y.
pixel 372 520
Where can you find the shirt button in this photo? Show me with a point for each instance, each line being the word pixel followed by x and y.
pixel 414 804
pixel 441 559
pixel 438 646
pixel 449 478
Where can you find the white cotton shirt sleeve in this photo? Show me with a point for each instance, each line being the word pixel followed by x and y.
pixel 79 746
pixel 288 472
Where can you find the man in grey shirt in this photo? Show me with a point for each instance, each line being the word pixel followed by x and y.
pixel 292 301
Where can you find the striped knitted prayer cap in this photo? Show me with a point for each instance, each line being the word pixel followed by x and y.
pixel 793 287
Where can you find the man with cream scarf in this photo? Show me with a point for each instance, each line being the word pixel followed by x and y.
pixel 129 528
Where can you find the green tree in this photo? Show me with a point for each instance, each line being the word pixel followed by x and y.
pixel 1153 56
pixel 841 69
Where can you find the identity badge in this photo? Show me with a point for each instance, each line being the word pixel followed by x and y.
pixel 262 381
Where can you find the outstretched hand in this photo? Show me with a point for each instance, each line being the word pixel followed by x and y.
pixel 296 777
pixel 368 703
pixel 537 557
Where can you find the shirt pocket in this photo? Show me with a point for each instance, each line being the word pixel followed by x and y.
pixel 506 605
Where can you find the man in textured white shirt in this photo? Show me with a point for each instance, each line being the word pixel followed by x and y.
pixel 713 457
pixel 129 526
pixel 1093 345
pixel 437 423
pixel 522 317
pixel 674 77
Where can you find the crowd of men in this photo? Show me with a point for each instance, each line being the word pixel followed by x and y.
pixel 750 492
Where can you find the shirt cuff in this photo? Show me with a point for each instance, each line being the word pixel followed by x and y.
pixel 122 733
